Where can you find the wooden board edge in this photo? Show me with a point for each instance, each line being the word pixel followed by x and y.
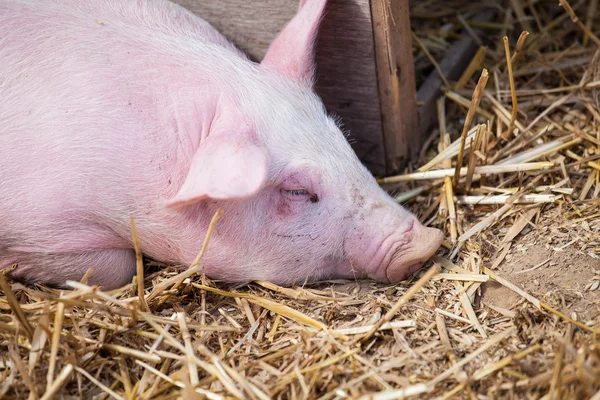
pixel 396 81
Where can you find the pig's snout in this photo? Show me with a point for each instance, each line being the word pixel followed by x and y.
pixel 409 256
pixel 395 256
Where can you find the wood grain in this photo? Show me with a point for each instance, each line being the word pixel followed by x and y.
pixel 397 91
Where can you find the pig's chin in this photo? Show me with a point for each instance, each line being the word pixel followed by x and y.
pixel 343 269
pixel 377 268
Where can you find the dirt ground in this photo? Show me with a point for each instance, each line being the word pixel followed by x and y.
pixel 565 275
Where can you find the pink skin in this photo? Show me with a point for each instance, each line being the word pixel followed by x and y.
pixel 112 109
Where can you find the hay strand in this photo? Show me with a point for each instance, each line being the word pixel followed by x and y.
pixel 508 311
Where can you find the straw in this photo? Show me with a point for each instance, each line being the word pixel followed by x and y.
pixel 506 311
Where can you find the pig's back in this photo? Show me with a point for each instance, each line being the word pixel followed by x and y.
pixel 83 131
pixel 152 16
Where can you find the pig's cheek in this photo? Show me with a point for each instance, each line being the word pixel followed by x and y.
pixel 284 208
pixel 287 208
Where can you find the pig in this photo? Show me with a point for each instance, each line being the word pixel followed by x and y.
pixel 111 109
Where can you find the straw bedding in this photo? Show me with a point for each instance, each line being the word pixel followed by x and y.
pixel 509 308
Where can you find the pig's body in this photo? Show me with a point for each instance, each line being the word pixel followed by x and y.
pixel 112 109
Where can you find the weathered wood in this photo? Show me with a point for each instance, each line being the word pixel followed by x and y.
pixel 346 70
pixel 458 57
pixel 347 78
pixel 250 25
pixel 395 73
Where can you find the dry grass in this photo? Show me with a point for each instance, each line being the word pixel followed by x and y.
pixel 177 335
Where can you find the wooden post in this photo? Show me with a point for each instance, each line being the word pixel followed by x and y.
pixel 347 77
pixel 397 87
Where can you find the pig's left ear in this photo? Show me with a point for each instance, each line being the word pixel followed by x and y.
pixel 292 52
pixel 226 166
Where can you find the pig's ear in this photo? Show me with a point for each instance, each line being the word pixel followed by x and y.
pixel 224 167
pixel 292 52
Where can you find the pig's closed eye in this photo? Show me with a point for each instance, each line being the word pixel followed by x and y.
pixel 300 194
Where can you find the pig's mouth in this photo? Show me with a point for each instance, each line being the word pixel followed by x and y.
pixel 391 248
pixel 402 254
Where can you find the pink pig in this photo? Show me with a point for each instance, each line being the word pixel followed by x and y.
pixel 119 108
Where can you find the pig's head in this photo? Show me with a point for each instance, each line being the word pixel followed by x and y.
pixel 298 204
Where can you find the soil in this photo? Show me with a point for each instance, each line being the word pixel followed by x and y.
pixel 566 278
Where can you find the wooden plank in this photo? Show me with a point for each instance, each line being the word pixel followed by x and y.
pixel 250 25
pixel 347 78
pixel 395 72
pixel 346 70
